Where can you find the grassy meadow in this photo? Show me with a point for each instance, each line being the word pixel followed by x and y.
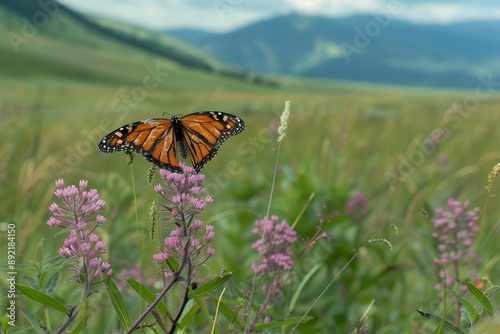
pixel 407 150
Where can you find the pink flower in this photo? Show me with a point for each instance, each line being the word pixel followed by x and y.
pixel 455 230
pixel 160 257
pixel 79 213
pixel 357 207
pixel 184 198
pixel 275 248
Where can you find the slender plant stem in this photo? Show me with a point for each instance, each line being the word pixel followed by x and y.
pixel 254 283
pixel 335 278
pixel 157 300
pixel 186 299
pixel 217 311
pixel 266 302
pixel 457 273
pixel 86 283
pixel 72 317
pixel 177 275
pixel 76 310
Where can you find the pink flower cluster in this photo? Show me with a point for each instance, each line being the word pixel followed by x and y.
pixel 455 230
pixel 184 192
pixel 275 247
pixel 357 207
pixel 185 198
pixel 80 215
pixel 276 264
pixel 81 206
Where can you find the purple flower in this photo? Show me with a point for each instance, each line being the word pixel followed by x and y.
pixel 275 255
pixel 79 214
pixel 275 262
pixel 357 207
pixel 455 230
pixel 435 138
pixel 275 248
pixel 184 198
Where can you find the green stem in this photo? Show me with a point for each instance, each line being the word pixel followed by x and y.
pixel 74 313
pixel 456 269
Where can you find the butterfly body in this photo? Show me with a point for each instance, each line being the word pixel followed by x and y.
pixel 160 140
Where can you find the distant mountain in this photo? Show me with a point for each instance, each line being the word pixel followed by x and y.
pixel 192 36
pixel 362 48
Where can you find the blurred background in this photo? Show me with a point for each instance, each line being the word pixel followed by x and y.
pixel 394 108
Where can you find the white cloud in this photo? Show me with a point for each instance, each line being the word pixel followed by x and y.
pixel 427 12
pixel 337 7
pixel 221 15
pixel 448 13
pixel 225 15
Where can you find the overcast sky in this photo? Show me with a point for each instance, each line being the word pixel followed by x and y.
pixel 225 15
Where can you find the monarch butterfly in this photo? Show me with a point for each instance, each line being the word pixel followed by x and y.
pixel 198 135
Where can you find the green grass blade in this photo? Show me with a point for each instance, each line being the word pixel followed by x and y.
pixel 148 296
pixel 301 286
pixel 52 283
pixel 4 323
pixel 172 264
pixel 196 306
pixel 189 316
pixel 228 312
pixel 440 320
pixel 481 297
pixel 212 284
pixel 42 298
pixel 54 263
pixel 36 322
pixel 471 310
pixel 280 323
pixel 118 303
pixel 81 325
pixel 201 304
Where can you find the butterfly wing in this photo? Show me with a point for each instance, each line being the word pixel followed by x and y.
pixel 154 138
pixel 204 132
pixel 198 135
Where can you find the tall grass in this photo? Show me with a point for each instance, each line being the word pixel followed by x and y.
pixel 336 146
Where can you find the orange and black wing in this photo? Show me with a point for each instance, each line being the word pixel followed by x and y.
pixel 203 133
pixel 154 138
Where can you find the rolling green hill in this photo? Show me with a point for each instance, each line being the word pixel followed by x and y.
pixel 70 48
pixel 61 23
pixel 53 41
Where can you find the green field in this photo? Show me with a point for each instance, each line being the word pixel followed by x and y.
pixel 406 150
